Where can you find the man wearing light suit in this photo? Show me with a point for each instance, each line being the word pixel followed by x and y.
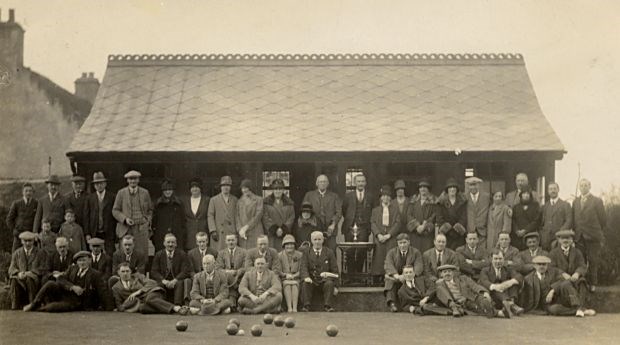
pixel 437 256
pixel 232 261
pixel 221 215
pixel 477 208
pixel 133 211
pixel 327 206
pixel 210 289
pixel 260 290
pixel 556 215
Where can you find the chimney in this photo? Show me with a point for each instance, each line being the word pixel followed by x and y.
pixel 11 43
pixel 86 87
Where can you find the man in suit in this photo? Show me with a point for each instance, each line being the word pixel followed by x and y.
pixel 221 215
pixel 571 262
pixel 21 214
pixel 98 219
pixel 478 204
pixel 133 211
pixel 134 293
pixel 210 289
pixel 27 266
pixel 473 257
pixel 232 261
pixel 80 288
pixel 357 208
pixel 52 206
pixel 417 295
pixel 525 265
pixel 101 261
pixel 511 254
pixel 127 253
pixel 260 290
pixel 327 207
pixel 76 199
pixel 262 250
pixel 319 270
pixel 522 182
pixel 503 284
pixel 197 254
pixel 461 294
pixel 59 261
pixel 545 291
pixel 170 268
pixel 395 261
pixel 556 215
pixel 437 256
pixel 590 220
pixel 196 206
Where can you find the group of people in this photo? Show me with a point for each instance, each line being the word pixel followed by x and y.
pixel 462 252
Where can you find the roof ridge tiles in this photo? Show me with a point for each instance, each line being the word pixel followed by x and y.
pixel 385 59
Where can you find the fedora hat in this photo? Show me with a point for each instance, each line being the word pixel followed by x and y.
pixel 98 176
pixel 53 179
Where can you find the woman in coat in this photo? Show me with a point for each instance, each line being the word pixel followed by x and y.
pixel 500 220
pixel 421 218
pixel 402 202
pixel 195 208
pixel 249 216
pixel 452 214
pixel 385 226
pixel 290 260
pixel 168 217
pixel 306 224
pixel 525 219
pixel 278 214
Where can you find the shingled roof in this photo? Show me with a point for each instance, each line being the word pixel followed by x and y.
pixel 333 103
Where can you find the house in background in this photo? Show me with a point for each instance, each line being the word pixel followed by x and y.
pixel 391 116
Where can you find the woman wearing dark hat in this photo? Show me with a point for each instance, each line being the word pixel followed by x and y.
pixel 168 217
pixel 195 208
pixel 306 224
pixel 421 217
pixel 452 214
pixel 525 218
pixel 385 226
pixel 249 215
pixel 290 263
pixel 278 214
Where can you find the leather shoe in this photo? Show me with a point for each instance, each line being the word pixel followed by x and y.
pixel 393 307
pixel 305 309
pixel 506 309
pixel 516 310
pixel 28 307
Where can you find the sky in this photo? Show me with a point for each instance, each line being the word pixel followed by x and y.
pixel 571 48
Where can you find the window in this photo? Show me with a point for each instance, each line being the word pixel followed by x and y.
pixel 270 176
pixel 469 172
pixel 350 176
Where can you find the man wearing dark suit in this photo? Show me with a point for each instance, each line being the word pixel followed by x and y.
pixel 357 208
pixel 76 199
pixel 127 253
pixel 170 268
pixel 473 257
pixel 51 207
pixel 438 256
pixel 524 259
pixel 21 214
pixel 80 288
pixel 197 254
pixel 556 215
pixel 589 219
pixel 27 266
pixel 478 204
pixel 98 219
pixel 59 261
pixel 396 259
pixel 417 295
pixel 461 294
pixel 101 261
pixel 523 183
pixel 503 284
pixel 196 207
pixel 209 291
pixel 545 291
pixel 319 270
pixel 327 207
pixel 262 250
pixel 134 293
pixel 571 262
pixel 232 261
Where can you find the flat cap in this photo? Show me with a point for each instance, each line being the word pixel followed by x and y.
pixel 565 233
pixel 473 180
pixel 447 267
pixel 81 254
pixel 399 184
pixel 531 234
pixel 27 235
pixel 77 178
pixel 541 259
pixel 132 173
pixel 96 241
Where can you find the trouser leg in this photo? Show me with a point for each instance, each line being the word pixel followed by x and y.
pixel 561 310
pixel 567 295
pixel 434 309
pixel 245 302
pixel 391 295
pixel 328 292
pixel 154 303
pixel 271 304
pixel 307 290
pixel 179 293
pixel 49 292
pixel 33 287
pixel 593 252
pixel 16 292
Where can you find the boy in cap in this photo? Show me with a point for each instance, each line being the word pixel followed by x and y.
pixel 133 210
pixel 47 238
pixel 27 266
pixel 221 215
pixel 72 231
pixel 102 262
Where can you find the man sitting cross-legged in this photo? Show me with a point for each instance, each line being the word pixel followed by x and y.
pixel 260 290
pixel 503 283
pixel 210 289
pixel 461 294
pixel 137 294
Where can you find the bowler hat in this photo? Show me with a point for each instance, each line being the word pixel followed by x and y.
pixel 288 238
pixel 166 184
pixel 447 267
pixel 98 176
pixel 81 254
pixel 565 233
pixel 451 183
pixel 399 184
pixel 27 235
pixel 226 181
pixel 473 180
pixel 386 190
pixel 96 241
pixel 53 179
pixel 424 183
pixel 246 183
pixel 195 182
pixel 541 259
pixel 133 174
pixel 77 178
pixel 277 183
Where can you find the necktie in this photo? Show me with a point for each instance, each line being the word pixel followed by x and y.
pixel 403 255
pixel 80 273
pixel 317 253
pixel 552 202
pixel 127 258
pixel 95 259
pixel 439 259
pixel 62 259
